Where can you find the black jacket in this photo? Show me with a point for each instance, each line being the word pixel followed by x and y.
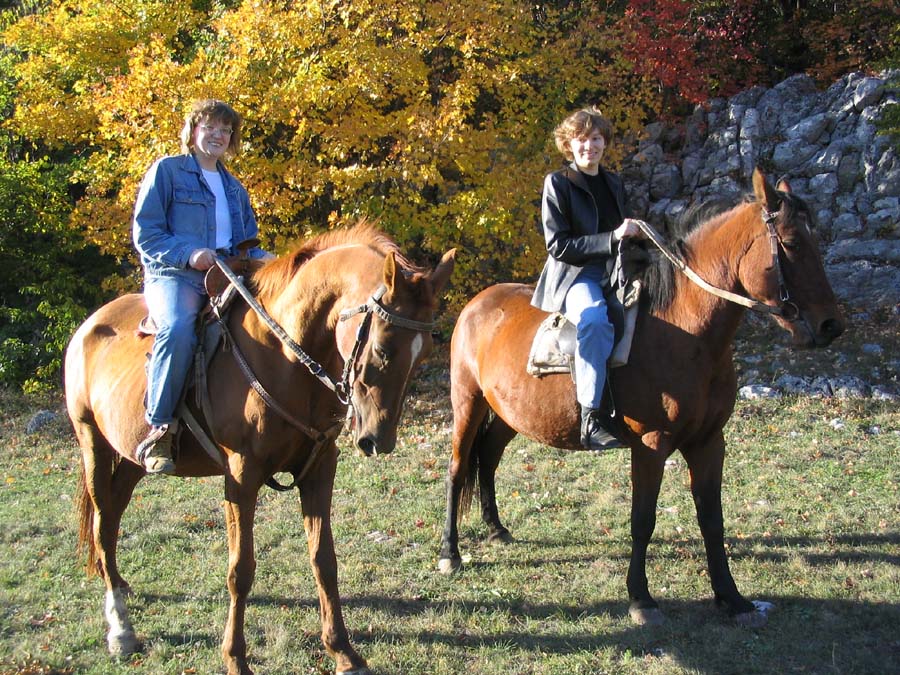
pixel 571 231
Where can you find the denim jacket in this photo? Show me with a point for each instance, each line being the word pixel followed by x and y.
pixel 175 214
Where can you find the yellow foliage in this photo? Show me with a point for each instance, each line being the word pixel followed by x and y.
pixel 433 118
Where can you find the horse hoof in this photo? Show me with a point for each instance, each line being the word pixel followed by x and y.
pixel 758 618
pixel 449 565
pixel 123 644
pixel 500 537
pixel 646 616
pixel 358 671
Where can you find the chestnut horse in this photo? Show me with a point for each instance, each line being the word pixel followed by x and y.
pixel 676 392
pixel 289 425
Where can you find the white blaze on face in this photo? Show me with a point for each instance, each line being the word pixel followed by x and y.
pixel 415 348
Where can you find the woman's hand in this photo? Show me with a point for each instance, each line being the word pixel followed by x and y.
pixel 202 259
pixel 628 228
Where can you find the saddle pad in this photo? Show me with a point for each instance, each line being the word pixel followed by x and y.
pixel 553 347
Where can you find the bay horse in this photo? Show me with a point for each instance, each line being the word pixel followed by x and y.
pixel 289 425
pixel 676 392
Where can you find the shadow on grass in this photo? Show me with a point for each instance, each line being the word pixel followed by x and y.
pixel 800 637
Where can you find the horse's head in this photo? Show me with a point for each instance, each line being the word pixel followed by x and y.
pixel 397 337
pixel 783 267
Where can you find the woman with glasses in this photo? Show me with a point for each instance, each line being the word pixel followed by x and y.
pixel 189 209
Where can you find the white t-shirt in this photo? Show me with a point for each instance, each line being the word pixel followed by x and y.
pixel 223 216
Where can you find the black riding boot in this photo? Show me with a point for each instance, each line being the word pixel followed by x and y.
pixel 593 435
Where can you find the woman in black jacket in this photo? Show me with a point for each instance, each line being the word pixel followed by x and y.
pixel 583 215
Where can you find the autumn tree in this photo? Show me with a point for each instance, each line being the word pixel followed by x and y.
pixel 432 118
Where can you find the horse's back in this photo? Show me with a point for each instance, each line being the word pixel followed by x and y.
pixel 104 371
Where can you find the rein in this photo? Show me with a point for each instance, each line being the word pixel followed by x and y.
pixel 788 310
pixel 342 389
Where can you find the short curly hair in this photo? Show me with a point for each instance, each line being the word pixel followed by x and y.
pixel 581 124
pixel 211 110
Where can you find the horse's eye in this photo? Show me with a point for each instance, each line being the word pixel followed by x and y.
pixel 380 355
pixel 790 245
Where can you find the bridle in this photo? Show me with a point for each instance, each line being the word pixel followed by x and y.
pixel 343 388
pixel 372 307
pixel 787 310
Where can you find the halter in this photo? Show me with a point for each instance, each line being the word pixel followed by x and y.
pixel 341 389
pixel 787 310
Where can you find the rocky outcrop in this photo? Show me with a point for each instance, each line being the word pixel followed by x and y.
pixel 826 144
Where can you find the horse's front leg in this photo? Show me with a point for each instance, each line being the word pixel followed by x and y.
pixel 705 464
pixel 241 492
pixel 647 464
pixel 315 501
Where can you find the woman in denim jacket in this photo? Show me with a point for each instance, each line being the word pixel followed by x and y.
pixel 189 210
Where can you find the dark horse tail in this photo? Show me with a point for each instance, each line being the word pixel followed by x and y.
pixel 467 491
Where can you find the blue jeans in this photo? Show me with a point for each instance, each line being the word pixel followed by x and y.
pixel 173 303
pixel 585 307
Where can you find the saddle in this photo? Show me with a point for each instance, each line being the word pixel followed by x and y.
pixel 553 347
pixel 209 332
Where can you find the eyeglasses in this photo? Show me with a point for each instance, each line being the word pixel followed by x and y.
pixel 207 129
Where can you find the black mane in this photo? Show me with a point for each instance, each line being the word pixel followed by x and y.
pixel 658 277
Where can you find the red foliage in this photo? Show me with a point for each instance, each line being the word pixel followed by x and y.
pixel 693 51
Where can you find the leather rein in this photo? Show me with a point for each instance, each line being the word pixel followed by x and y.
pixel 343 389
pixel 788 310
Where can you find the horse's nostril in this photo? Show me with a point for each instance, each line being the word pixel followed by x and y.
pixel 367 446
pixel 831 328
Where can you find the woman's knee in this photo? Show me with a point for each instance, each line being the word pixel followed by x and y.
pixel 594 320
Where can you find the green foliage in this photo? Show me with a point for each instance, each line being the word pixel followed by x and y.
pixel 434 121
pixel 48 278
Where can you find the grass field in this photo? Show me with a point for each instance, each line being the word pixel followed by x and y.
pixel 811 503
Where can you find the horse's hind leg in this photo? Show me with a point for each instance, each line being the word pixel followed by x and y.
pixel 109 492
pixel 490 450
pixel 469 411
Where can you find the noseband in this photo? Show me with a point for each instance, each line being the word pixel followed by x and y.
pixel 788 310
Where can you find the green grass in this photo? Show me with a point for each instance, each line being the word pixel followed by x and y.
pixel 811 517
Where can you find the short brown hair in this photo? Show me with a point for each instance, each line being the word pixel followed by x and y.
pixel 211 110
pixel 580 124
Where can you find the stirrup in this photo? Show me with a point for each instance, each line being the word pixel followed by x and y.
pixel 155 452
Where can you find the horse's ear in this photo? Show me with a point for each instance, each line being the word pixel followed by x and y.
pixel 390 272
pixel 764 192
pixel 441 274
pixel 783 186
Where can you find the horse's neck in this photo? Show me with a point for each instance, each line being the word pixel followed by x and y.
pixel 330 282
pixel 714 252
